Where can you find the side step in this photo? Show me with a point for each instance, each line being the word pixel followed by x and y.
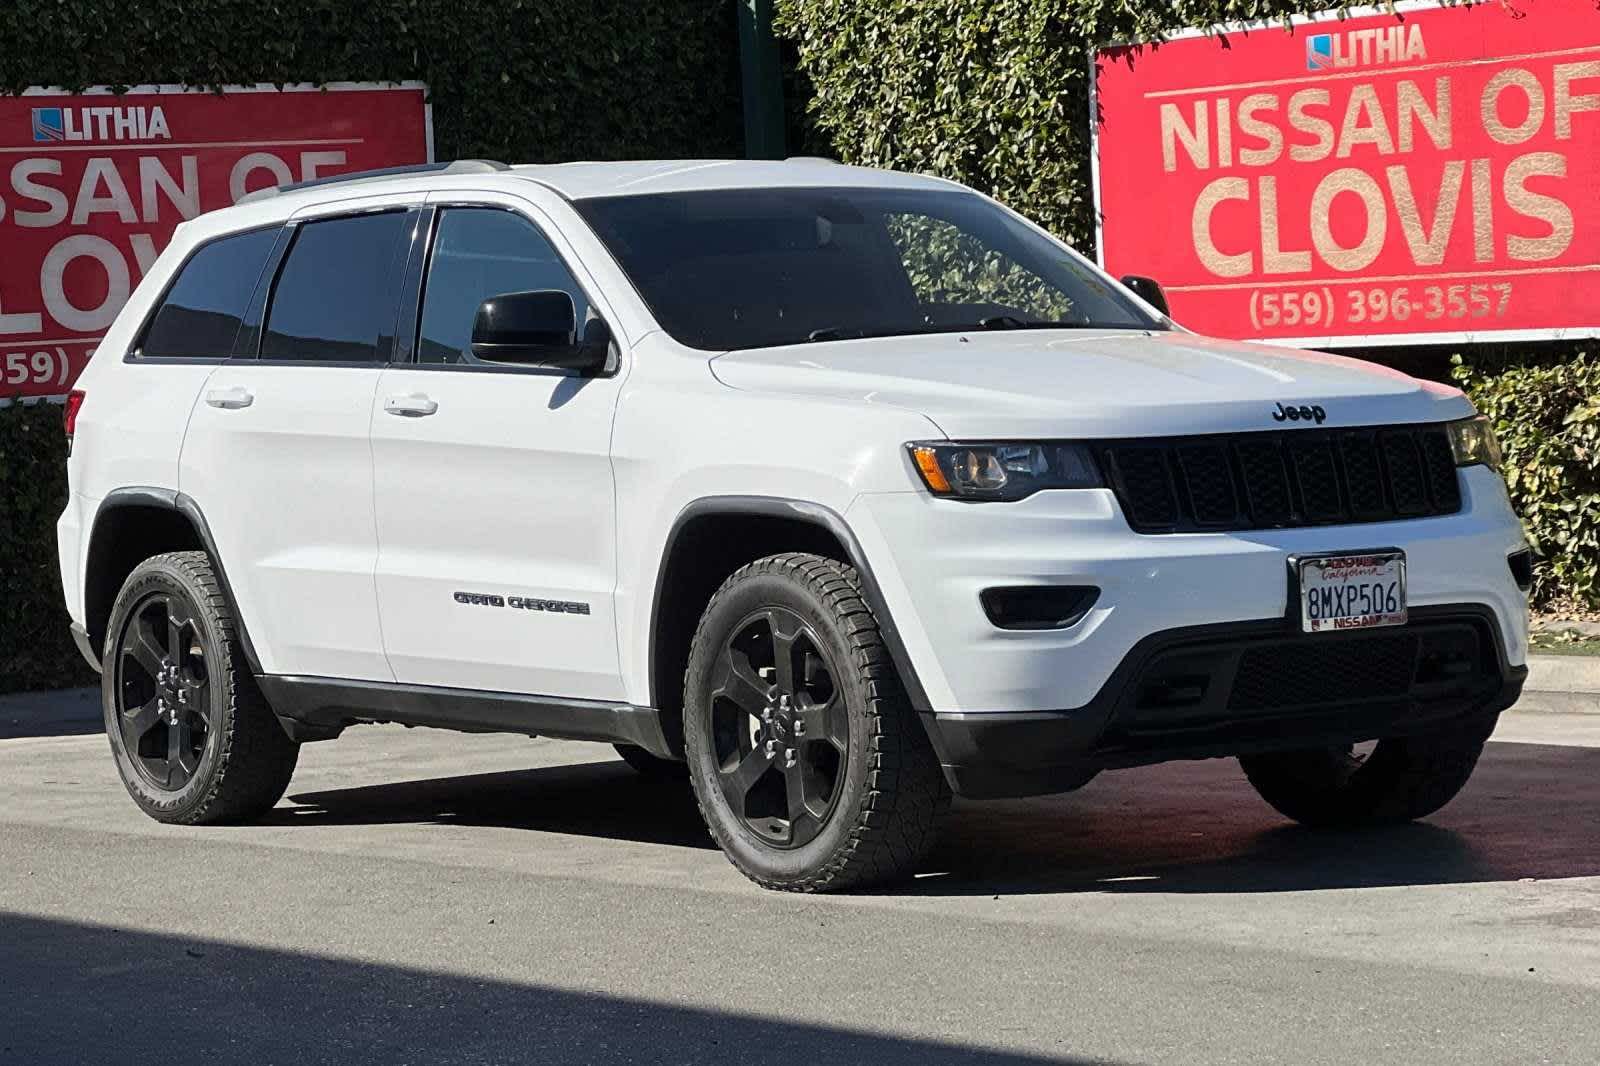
pixel 318 708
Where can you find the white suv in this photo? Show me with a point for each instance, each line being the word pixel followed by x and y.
pixel 845 488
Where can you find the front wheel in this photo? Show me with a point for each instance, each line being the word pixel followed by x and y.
pixel 1400 780
pixel 808 762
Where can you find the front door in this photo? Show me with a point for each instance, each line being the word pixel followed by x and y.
pixel 494 490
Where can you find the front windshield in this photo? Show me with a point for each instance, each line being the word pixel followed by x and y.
pixel 752 268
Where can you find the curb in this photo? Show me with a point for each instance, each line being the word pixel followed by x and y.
pixel 1582 629
pixel 1562 684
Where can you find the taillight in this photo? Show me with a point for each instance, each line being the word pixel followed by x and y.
pixel 69 416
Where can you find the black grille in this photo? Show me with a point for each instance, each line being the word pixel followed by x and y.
pixel 1283 479
pixel 1262 683
pixel 1150 497
pixel 1307 674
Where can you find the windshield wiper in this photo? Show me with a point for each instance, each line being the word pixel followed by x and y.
pixel 994 322
pixel 837 333
pixel 1013 322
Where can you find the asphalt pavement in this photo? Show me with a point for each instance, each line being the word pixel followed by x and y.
pixel 430 897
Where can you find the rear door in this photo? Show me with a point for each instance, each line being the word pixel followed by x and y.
pixel 277 453
pixel 493 483
pixel 140 413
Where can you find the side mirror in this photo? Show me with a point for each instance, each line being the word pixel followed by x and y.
pixel 539 329
pixel 1148 290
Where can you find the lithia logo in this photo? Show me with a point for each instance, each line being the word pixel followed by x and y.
pixel 1371 47
pixel 100 124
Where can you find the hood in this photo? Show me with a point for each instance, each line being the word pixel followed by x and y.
pixel 1100 383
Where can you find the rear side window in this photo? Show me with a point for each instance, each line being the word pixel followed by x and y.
pixel 200 314
pixel 337 294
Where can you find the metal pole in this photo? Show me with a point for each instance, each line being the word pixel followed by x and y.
pixel 763 81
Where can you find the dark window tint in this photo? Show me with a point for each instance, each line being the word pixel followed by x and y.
pixel 480 253
pixel 336 295
pixel 199 316
pixel 750 268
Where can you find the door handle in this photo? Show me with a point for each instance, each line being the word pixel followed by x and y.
pixel 231 398
pixel 412 405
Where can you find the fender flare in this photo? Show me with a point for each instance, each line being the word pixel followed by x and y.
pixel 172 500
pixel 805 511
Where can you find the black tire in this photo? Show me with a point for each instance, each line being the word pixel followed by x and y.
pixel 651 766
pixel 880 782
pixel 179 699
pixel 1402 779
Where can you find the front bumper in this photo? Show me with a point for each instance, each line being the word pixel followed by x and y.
pixel 1232 689
pixel 933 559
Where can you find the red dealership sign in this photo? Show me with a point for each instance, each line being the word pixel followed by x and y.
pixel 93 184
pixel 1428 175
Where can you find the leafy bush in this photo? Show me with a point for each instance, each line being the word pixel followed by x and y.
pixel 949 266
pixel 1547 413
pixel 993 93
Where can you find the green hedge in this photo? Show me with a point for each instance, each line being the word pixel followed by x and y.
pixel 993 93
pixel 1547 413
pixel 35 649
pixel 519 80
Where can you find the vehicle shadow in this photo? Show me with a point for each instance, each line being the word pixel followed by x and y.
pixel 69 1002
pixel 605 799
pixel 1531 811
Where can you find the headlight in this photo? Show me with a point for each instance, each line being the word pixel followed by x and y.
pixel 1473 441
pixel 1003 471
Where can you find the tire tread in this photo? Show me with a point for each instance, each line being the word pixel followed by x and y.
pixel 896 819
pixel 1403 779
pixel 256 758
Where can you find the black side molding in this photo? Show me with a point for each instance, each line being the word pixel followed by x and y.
pixel 818 515
pixel 315 708
pixel 191 510
pixel 169 499
pixel 80 637
pixel 138 496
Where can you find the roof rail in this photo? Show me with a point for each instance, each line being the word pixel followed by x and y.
pixel 459 166
pixel 810 159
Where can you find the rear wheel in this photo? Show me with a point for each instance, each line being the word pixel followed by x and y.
pixel 1400 779
pixel 193 738
pixel 810 767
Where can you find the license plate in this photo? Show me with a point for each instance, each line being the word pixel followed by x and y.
pixel 1359 590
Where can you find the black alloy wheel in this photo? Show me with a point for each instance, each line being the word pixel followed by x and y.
pixel 163 691
pixel 779 727
pixel 808 762
pixel 194 740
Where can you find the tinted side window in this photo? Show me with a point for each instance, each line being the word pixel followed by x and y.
pixel 199 316
pixel 479 253
pixel 336 295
